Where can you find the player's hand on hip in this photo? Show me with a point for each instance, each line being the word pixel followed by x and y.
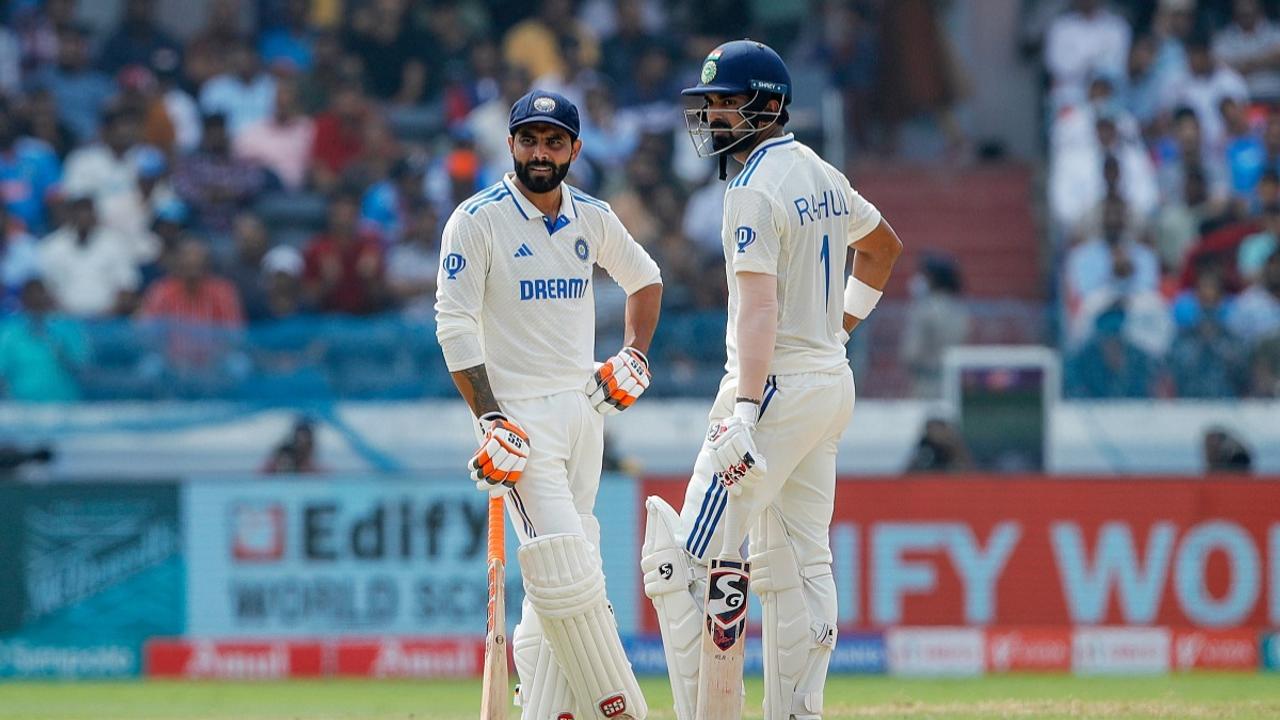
pixel 734 457
pixel 619 381
pixel 498 464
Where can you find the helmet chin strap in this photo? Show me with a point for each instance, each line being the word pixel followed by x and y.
pixel 724 166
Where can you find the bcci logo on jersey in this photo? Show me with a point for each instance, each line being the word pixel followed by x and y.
pixel 453 264
pixel 744 236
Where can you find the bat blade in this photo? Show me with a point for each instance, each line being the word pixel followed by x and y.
pixel 723 640
pixel 495 698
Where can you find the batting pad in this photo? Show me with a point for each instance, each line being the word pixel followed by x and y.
pixel 564 583
pixel 544 692
pixel 667 579
pixel 799 625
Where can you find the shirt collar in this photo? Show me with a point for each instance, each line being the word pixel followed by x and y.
pixel 771 142
pixel 526 206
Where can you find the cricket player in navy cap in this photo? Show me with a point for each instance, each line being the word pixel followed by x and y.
pixel 516 321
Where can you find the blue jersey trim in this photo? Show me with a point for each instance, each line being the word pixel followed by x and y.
pixel 489 196
pixel 588 200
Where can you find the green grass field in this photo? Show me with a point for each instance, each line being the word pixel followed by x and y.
pixel 1174 696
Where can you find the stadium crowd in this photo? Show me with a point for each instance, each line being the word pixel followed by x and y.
pixel 170 204
pixel 1164 196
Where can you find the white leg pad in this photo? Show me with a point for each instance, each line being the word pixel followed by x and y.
pixel 668 580
pixel 543 693
pixel 799 624
pixel 564 583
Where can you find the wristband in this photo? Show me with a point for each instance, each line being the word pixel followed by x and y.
pixel 643 358
pixel 860 298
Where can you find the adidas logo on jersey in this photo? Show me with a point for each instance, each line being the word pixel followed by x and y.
pixel 524 251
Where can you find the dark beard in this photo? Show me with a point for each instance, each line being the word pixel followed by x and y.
pixel 721 138
pixel 541 184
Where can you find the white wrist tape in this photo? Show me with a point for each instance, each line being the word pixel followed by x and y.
pixel 860 298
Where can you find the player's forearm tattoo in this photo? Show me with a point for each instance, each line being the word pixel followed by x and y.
pixel 473 383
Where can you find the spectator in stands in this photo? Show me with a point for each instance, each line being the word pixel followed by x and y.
pixel 1113 259
pixel 937 319
pixel 80 91
pixel 28 171
pixel 386 35
pixel 478 85
pixel 108 172
pixel 89 269
pixel 1203 87
pixel 702 218
pixel 1178 225
pixel 1257 310
pixel 45 124
pixel 1142 94
pixel 1088 38
pixel 487 124
pixel 182 108
pixel 1206 360
pixel 330 68
pixel 1080 180
pixel 1185 149
pixel 283 266
pixel 19 259
pixel 941 449
pixel 297 454
pixel 282 142
pixel 213 183
pixel 1251 46
pixel 10 62
pixel 291 43
pixel 1108 365
pixel 1256 248
pixel 244 94
pixel 1243 152
pixel 192 296
pixel 534 45
pixel 140 94
pixel 208 51
pixel 345 271
pixel 1225 453
pixel 244 270
pixel 387 206
pixel 139 40
pixel 1265 368
pixel 169 228
pixel 41 350
pixel 412 265
pixel 339 136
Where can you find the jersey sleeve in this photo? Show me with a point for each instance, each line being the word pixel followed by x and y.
pixel 460 285
pixel 755 229
pixel 863 216
pixel 624 259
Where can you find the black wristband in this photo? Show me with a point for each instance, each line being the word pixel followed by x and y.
pixel 746 399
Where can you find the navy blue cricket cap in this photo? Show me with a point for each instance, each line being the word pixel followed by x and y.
pixel 547 107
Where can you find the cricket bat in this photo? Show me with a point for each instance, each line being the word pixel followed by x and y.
pixel 725 627
pixel 496 696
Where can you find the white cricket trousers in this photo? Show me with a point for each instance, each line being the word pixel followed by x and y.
pixel 558 490
pixel 802 417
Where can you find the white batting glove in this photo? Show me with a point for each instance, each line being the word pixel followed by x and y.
pixel 618 381
pixel 734 457
pixel 498 464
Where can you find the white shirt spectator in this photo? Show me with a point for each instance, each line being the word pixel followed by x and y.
pixel 1238 48
pixel 1077 186
pixel 112 180
pixel 1078 44
pixel 1148 324
pixel 1204 93
pixel 282 148
pixel 244 103
pixel 1091 267
pixel 1256 314
pixel 87 279
pixel 702 217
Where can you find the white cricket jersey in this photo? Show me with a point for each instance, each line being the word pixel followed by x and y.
pixel 791 214
pixel 514 288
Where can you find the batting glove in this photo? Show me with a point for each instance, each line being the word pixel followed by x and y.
pixel 734 457
pixel 498 464
pixel 618 381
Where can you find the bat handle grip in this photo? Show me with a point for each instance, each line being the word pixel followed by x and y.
pixel 497 536
pixel 734 534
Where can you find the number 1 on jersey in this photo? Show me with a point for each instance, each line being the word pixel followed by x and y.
pixel 824 257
